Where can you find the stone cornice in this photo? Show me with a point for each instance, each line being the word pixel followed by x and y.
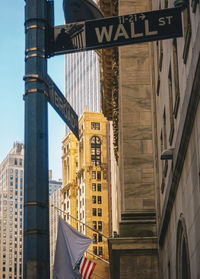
pixel 133 243
pixel 67 186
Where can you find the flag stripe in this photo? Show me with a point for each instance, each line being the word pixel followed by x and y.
pixel 86 268
pixel 86 263
pixel 90 270
pixel 82 265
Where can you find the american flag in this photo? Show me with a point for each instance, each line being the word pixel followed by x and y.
pixel 86 268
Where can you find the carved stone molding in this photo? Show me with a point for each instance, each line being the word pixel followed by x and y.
pixel 115 102
pixel 109 76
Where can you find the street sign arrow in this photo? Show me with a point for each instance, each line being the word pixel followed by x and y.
pixel 117 31
pixel 62 107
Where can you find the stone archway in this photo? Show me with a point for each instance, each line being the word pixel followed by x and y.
pixel 182 251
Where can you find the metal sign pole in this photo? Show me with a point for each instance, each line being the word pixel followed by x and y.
pixel 36 207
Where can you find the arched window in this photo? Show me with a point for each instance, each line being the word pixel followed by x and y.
pixel 182 252
pixel 96 151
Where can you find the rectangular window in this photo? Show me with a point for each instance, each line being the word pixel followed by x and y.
pixel 94 175
pixel 99 200
pixel 99 225
pixel 99 187
pixel 95 126
pixel 94 238
pixel 100 251
pixel 95 250
pixel 94 199
pixel 94 225
pixel 93 187
pixel 99 212
pixel 98 175
pixel 176 78
pixel 171 115
pixel 94 211
pixel 187 32
pixel 100 237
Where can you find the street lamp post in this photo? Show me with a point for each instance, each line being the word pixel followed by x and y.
pixel 36 207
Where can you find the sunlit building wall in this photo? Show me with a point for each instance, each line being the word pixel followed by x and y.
pixel 85 185
pixel 69 189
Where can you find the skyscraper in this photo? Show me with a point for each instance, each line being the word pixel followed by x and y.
pixel 54 203
pixel 11 213
pixel 82 82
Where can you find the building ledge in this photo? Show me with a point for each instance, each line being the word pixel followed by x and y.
pixel 133 243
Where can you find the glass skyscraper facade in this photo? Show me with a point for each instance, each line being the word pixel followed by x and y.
pixel 82 82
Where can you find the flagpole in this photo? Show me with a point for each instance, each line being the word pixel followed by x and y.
pixel 80 222
pixel 97 257
pixel 97 275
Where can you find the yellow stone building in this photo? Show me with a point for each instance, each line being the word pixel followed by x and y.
pixel 85 186
pixel 70 168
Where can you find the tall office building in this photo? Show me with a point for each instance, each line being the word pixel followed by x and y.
pixel 82 82
pixel 11 213
pixel 86 187
pixel 54 204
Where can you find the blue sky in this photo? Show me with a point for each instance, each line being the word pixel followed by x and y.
pixel 12 84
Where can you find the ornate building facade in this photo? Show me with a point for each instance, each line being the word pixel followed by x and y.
pixel 86 188
pixel 127 91
pixel 151 92
pixel 176 92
